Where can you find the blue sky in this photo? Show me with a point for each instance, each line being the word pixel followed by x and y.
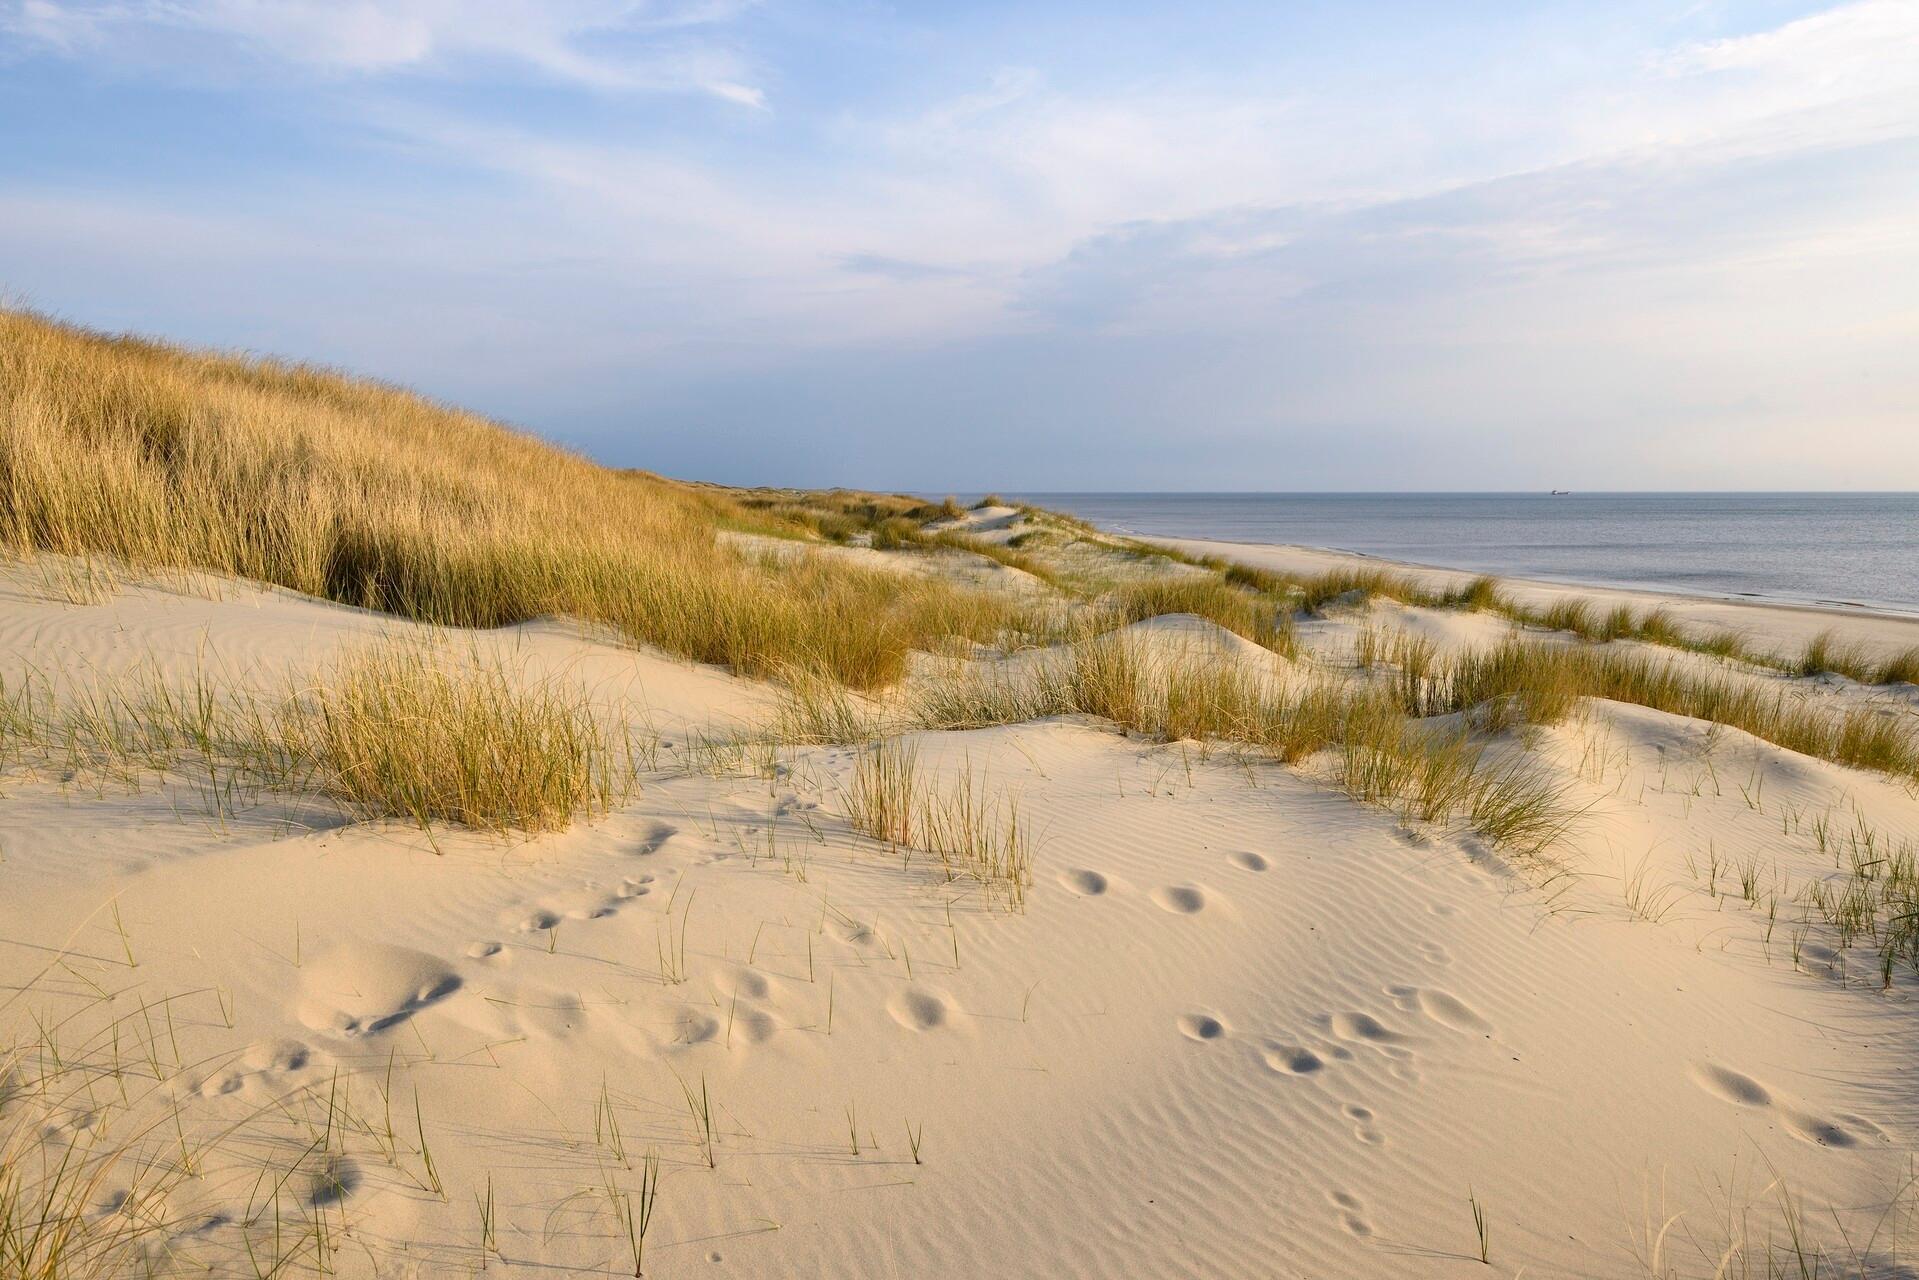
pixel 1020 246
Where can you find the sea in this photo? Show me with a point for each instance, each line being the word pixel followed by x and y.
pixel 1835 549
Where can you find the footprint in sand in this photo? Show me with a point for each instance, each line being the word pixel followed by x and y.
pixel 366 989
pixel 636 886
pixel 921 1009
pixel 1362 1118
pixel 335 1178
pixel 1363 1028
pixel 1733 1086
pixel 1087 884
pixel 1201 1027
pixel 1180 899
pixel 1351 1216
pixel 225 1082
pixel 1447 1010
pixel 655 837
pixel 1292 1060
pixel 744 983
pixel 539 921
pixel 278 1056
pixel 1742 1090
pixel 1248 861
pixel 695 1026
pixel 263 1061
pixel 490 953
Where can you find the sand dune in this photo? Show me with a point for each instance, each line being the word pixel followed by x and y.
pixel 1243 1026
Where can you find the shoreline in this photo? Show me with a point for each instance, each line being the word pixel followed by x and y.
pixel 1784 623
pixel 1843 608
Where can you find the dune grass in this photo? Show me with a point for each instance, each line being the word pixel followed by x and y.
pixel 1524 681
pixel 1246 613
pixel 393 730
pixel 1826 654
pixel 1581 617
pixel 1382 757
pixel 52 1226
pixel 152 455
pixel 973 830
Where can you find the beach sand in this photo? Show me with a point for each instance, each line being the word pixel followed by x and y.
pixel 1243 1025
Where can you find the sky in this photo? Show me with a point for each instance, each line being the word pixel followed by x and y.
pixel 1022 246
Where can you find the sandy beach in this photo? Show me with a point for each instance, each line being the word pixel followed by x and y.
pixel 1240 1023
pixel 651 638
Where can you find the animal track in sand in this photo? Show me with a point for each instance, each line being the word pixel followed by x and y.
pixel 556 1017
pixel 636 886
pixel 1733 1086
pixel 695 1026
pixel 1201 1027
pixel 490 953
pixel 1362 1118
pixel 1248 861
pixel 1742 1090
pixel 1087 884
pixel 1447 1010
pixel 277 1055
pixel 920 1009
pixel 225 1082
pixel 1364 1028
pixel 1292 1060
pixel 749 983
pixel 336 1178
pixel 657 836
pixel 538 921
pixel 1350 1217
pixel 365 989
pixel 1180 899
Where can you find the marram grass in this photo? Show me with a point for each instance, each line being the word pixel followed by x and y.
pixel 398 730
pixel 152 455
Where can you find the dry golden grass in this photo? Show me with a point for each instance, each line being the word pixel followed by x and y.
pixel 1382 757
pixel 152 455
pixel 398 731
pixel 1524 681
pixel 1245 612
pixel 974 830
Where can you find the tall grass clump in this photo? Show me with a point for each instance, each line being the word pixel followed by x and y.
pixel 1382 757
pixel 1482 594
pixel 1900 668
pixel 973 830
pixel 395 730
pixel 146 454
pixel 884 798
pixel 1361 583
pixel 1826 654
pixel 1434 777
pixel 1249 614
pixel 1523 681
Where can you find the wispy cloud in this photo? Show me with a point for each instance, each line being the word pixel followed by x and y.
pixel 605 45
pixel 1509 242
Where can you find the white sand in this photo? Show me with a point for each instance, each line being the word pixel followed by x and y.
pixel 1245 1027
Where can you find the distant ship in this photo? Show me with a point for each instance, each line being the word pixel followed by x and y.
pixel 1562 493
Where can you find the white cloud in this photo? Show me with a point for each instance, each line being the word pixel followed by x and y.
pixel 608 45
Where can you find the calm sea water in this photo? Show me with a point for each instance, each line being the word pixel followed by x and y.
pixel 1827 548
